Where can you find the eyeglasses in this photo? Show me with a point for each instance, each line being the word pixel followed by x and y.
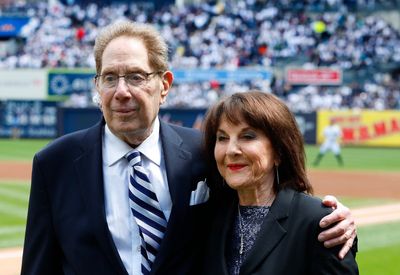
pixel 136 79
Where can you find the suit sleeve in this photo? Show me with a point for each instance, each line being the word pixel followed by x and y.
pixel 42 254
pixel 326 261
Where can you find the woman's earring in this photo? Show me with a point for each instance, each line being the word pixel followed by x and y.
pixel 277 174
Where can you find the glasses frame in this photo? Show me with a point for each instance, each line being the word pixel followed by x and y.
pixel 147 77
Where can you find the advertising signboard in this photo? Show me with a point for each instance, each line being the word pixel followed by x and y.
pixel 364 127
pixel 319 76
pixel 222 76
pixel 28 119
pixel 23 84
pixel 68 82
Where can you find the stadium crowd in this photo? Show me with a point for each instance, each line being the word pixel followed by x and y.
pixel 380 93
pixel 230 35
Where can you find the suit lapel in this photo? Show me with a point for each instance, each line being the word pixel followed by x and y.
pixel 271 232
pixel 89 169
pixel 176 159
pixel 179 176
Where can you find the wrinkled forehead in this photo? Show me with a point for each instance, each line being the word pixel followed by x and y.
pixel 125 52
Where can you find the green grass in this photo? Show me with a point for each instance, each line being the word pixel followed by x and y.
pixel 355 158
pixel 363 202
pixel 379 249
pixel 358 158
pixel 17 149
pixel 13 208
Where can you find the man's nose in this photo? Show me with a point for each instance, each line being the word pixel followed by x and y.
pixel 122 88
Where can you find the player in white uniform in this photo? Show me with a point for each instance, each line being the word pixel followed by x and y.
pixel 332 134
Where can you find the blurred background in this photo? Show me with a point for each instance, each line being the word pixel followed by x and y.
pixel 327 59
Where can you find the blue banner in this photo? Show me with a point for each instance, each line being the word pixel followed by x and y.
pixel 11 26
pixel 28 119
pixel 67 83
pixel 222 76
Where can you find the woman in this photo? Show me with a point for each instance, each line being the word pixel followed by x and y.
pixel 266 222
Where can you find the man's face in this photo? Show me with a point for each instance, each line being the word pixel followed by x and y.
pixel 130 110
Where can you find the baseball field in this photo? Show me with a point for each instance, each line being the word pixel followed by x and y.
pixel 369 183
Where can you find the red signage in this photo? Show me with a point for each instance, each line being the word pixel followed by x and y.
pixel 321 76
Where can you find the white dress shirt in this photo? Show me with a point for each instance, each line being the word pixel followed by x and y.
pixel 120 219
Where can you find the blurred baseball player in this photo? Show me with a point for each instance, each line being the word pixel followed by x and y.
pixel 332 134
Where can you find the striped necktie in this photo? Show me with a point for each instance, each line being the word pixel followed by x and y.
pixel 146 210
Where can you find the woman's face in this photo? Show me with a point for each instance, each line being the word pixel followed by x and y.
pixel 244 156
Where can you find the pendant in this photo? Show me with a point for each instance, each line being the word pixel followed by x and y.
pixel 241 245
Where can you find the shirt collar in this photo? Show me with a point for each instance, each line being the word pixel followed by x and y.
pixel 115 148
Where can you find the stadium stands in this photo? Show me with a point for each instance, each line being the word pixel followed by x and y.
pixel 273 34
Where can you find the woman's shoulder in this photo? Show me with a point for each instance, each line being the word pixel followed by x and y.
pixel 308 206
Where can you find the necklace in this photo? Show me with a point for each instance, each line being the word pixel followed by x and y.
pixel 241 233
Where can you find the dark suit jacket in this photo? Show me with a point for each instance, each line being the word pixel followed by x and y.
pixel 67 231
pixel 286 244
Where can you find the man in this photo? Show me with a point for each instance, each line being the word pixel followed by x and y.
pixel 332 134
pixel 84 204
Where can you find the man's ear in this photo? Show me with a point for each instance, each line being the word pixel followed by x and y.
pixel 167 79
pixel 97 97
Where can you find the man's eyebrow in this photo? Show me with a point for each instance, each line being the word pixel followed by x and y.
pixel 127 69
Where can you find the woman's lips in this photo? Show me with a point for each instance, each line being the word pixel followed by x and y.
pixel 235 167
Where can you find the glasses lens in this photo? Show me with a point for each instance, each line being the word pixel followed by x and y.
pixel 109 80
pixel 135 79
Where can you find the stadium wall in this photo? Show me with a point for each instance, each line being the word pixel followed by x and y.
pixel 73 119
pixel 47 119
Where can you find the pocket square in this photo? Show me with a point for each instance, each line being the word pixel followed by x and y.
pixel 201 194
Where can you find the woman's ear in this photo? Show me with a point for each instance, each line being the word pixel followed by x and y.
pixel 277 158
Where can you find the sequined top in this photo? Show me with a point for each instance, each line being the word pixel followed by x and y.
pixel 252 218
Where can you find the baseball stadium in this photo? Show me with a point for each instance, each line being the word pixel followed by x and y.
pixel 331 61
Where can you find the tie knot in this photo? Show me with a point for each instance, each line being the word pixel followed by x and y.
pixel 133 157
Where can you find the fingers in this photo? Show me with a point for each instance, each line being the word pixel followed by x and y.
pixel 336 236
pixel 342 237
pixel 344 230
pixel 330 201
pixel 333 234
pixel 347 246
pixel 340 214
